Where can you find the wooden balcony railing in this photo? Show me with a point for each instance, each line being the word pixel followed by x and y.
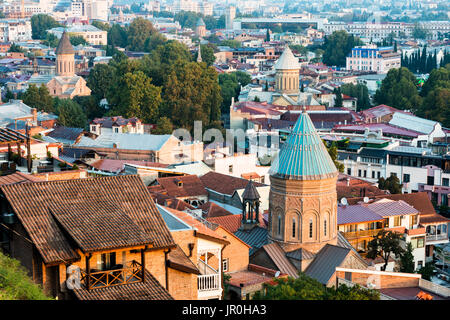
pixel 114 277
pixel 361 234
pixel 208 282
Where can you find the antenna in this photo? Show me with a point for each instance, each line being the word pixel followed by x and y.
pixel 344 201
pixel 366 199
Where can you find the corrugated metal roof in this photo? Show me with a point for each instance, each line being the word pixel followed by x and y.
pixel 324 265
pixel 128 141
pixel 387 208
pixel 278 256
pixel 256 237
pixel 287 61
pixel 356 214
pixel 300 254
pixel 407 121
pixel 303 156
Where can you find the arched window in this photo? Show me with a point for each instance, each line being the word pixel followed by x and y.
pixel 325 227
pixel 293 227
pixel 310 228
pixel 279 225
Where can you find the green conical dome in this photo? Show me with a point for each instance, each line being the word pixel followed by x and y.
pixel 303 156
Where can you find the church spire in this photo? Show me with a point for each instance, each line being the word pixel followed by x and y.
pixel 199 56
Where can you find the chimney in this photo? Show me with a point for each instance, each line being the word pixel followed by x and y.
pixel 34 114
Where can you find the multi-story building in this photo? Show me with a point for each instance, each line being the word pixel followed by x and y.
pixel 371 58
pixel 15 30
pixel 90 33
pixel 361 223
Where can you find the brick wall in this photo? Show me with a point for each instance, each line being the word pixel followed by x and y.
pixel 383 281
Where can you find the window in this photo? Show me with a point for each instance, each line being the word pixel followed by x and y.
pixel 279 225
pixel 230 168
pixel 445 182
pixel 325 227
pixel 310 228
pixel 419 264
pixel 365 173
pixel 359 173
pixel 373 174
pixel 116 130
pixel 430 180
pixel 413 220
pixel 349 172
pixel 406 178
pixel 293 227
pixel 397 221
pixel 106 261
pixel 225 263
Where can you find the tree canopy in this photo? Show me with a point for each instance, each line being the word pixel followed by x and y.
pixel 15 284
pixel 307 288
pixel 40 23
pixel 398 90
pixel 385 244
pixel 337 46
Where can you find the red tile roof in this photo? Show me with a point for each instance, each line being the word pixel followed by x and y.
pixel 150 289
pixel 183 186
pixel 210 210
pixel 229 222
pixel 223 183
pixel 31 203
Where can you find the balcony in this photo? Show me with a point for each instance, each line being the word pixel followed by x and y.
pixel 416 231
pixel 113 277
pixel 437 238
pixel 209 282
pixel 361 234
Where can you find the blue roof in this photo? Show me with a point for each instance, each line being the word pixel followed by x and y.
pixel 303 156
pixel 255 237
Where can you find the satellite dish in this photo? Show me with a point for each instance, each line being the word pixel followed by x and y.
pixel 344 201
pixel 277 274
pixel 366 199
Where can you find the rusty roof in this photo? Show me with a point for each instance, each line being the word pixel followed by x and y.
pixel 32 202
pixel 150 289
pixel 231 222
pixel 225 184
pixel 178 260
pixel 183 186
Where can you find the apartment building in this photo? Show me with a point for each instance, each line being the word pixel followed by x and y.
pixel 371 58
pixel 91 34
pixel 15 30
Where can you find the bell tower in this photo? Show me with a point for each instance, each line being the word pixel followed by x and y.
pixel 250 207
pixel 65 57
pixel 303 199
pixel 287 73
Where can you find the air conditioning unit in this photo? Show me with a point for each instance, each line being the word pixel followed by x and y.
pixel 8 218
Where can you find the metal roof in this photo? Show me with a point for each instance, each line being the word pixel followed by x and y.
pixel 287 61
pixel 303 156
pixel 256 238
pixel 324 265
pixel 129 141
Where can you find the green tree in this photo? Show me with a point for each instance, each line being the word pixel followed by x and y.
pixel 117 36
pixel 337 46
pixel 70 114
pixel 40 23
pixel 100 80
pixel 192 92
pixel 139 31
pixel 358 91
pixel 15 48
pixel 136 96
pixel 77 40
pixel 101 25
pixel 207 55
pixel 15 284
pixel 427 271
pixel 392 184
pixel 51 40
pixel 338 101
pixel 407 259
pixel 398 90
pixel 333 152
pixel 231 43
pixel 420 32
pixel 385 244
pixel 307 288
pixel 38 98
pixel 163 126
